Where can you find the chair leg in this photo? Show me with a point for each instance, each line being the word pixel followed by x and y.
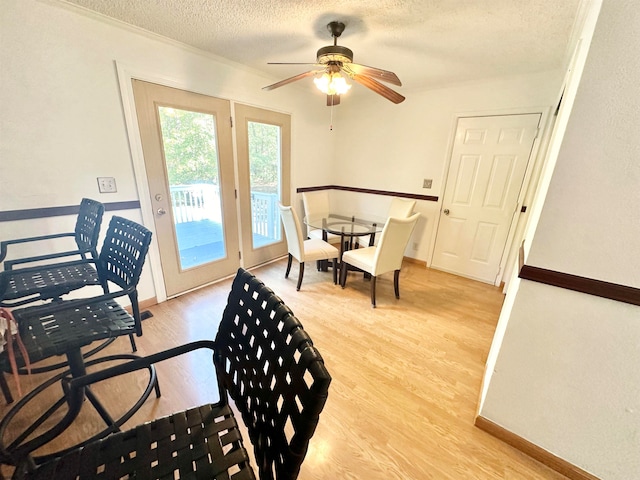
pixel 286 274
pixel 5 388
pixel 132 340
pixel 300 275
pixel 343 274
pixel 373 291
pixel 335 271
pixel 396 283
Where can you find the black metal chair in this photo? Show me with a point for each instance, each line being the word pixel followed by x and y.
pixel 124 242
pixel 265 362
pixel 51 281
pixel 63 328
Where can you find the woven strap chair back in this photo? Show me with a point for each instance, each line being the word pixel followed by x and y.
pixel 88 225
pixel 274 374
pixel 123 252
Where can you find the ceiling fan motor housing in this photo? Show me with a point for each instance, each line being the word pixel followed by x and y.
pixel 335 53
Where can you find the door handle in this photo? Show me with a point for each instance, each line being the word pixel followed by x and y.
pixel 446 211
pixel 161 211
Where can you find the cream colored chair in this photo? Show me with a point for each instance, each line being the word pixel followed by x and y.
pixel 316 204
pixel 399 208
pixel 382 258
pixel 305 250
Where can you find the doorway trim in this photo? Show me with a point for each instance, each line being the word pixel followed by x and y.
pixel 529 184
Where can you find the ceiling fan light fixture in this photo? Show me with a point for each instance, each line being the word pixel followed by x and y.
pixel 332 83
pixel 333 59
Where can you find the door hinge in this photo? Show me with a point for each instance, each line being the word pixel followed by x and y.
pixel 235 194
pixel 239 255
pixel 231 121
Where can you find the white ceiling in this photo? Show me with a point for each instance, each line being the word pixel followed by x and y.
pixel 427 43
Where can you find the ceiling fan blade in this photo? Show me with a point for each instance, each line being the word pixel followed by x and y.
pixel 333 100
pixel 379 88
pixel 376 73
pixel 290 80
pixel 291 63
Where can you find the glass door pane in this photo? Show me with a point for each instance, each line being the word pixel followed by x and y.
pixel 264 181
pixel 191 158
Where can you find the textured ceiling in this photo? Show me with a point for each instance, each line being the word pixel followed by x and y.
pixel 427 43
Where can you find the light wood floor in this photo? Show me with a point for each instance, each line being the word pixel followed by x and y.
pixel 406 375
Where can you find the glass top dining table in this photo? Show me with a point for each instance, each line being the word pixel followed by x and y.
pixel 346 226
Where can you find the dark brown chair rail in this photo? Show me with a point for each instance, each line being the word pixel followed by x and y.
pixel 590 286
pixel 428 198
pixel 26 214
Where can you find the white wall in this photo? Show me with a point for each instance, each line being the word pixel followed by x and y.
pixel 566 376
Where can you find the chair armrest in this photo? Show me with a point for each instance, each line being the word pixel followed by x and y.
pixel 8 264
pixel 140 363
pixel 5 243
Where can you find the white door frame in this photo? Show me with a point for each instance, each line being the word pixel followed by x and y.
pixel 531 176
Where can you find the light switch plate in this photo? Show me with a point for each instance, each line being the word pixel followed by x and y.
pixel 427 182
pixel 107 185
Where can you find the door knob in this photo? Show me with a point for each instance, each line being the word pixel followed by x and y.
pixel 446 211
pixel 161 211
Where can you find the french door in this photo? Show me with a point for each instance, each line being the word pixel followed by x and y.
pixel 187 143
pixel 263 144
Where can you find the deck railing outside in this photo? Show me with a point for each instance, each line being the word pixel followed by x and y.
pixel 192 203
pixel 265 219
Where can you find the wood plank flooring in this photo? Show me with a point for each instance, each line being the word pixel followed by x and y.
pixel 406 375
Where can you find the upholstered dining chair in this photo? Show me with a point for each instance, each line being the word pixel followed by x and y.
pixel 302 250
pixel 316 204
pixel 399 208
pixel 53 279
pixel 264 361
pixel 382 258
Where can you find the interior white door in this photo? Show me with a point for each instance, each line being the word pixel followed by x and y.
pixel 488 165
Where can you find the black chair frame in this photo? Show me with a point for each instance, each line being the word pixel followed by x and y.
pixel 52 280
pixel 86 232
pixel 264 361
pixel 109 267
pixel 63 328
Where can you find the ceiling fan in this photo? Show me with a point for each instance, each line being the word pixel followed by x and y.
pixel 334 61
